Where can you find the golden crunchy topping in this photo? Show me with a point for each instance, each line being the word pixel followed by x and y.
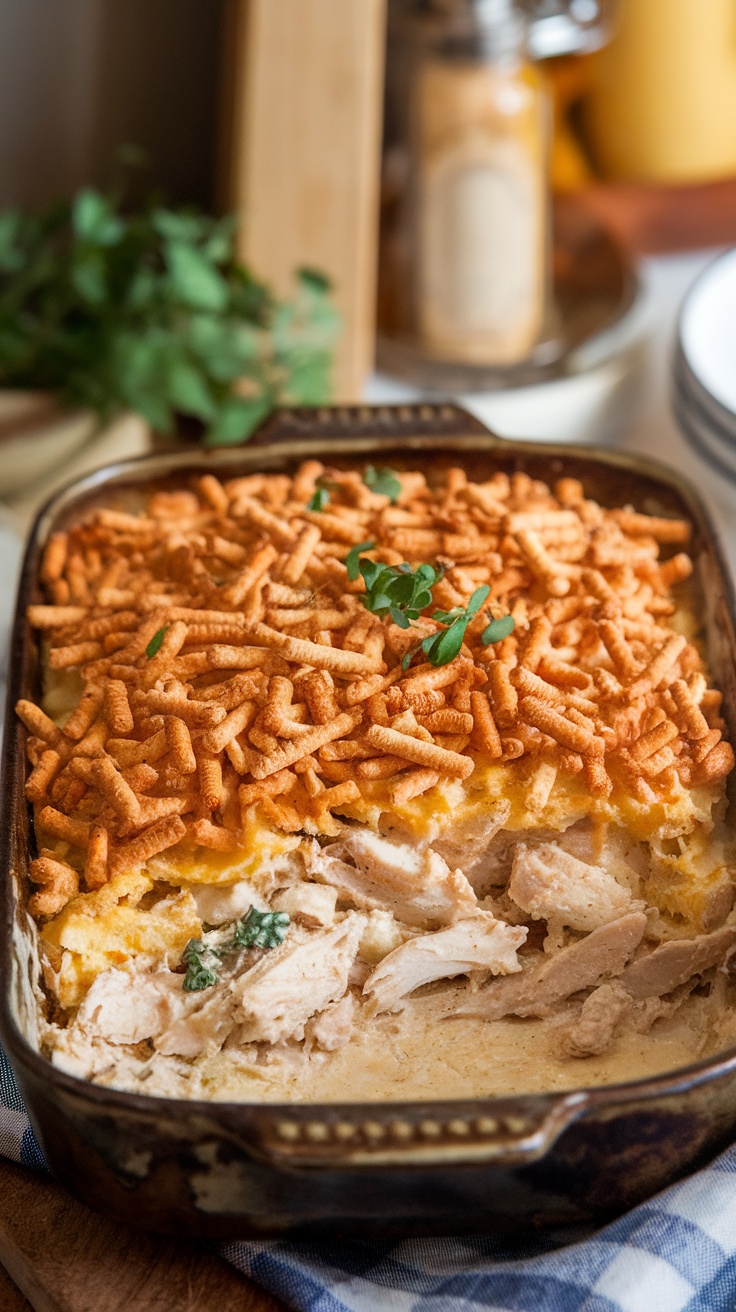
pixel 227 660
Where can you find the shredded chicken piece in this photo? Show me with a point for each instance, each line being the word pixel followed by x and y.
pixel 125 1007
pixel 537 991
pixel 412 882
pixel 595 1028
pixel 312 905
pixel 382 934
pixel 277 997
pixel 217 904
pixel 203 1028
pixel 333 1027
pixel 550 884
pixel 676 962
pixel 479 943
pixel 468 846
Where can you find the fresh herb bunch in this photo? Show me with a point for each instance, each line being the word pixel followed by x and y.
pixel 152 311
pixel 403 593
pixel 259 929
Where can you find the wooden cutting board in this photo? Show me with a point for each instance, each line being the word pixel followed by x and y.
pixel 65 1258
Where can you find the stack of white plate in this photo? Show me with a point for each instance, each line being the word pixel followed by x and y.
pixel 704 395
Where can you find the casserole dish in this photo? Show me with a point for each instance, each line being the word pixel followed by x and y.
pixel 219 1169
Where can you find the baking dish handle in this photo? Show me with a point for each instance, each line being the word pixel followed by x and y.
pixel 513 1132
pixel 400 423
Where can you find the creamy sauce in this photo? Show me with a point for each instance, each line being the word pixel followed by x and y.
pixel 417 1055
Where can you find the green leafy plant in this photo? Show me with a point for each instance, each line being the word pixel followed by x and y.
pixel 151 310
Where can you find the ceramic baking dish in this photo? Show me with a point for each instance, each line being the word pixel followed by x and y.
pixel 216 1169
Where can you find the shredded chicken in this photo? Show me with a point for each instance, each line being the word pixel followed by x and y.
pixel 125 1007
pixel 470 847
pixel 674 963
pixel 334 1026
pixel 479 943
pixel 276 998
pixel 595 1028
pixel 550 884
pixel 537 991
pixel 414 883
pixel 312 905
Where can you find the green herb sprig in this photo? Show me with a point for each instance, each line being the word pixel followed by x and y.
pixel 200 975
pixel 151 310
pixel 258 929
pixel 352 560
pixel 395 590
pixel 398 590
pixel 441 648
pixel 320 499
pixel 383 482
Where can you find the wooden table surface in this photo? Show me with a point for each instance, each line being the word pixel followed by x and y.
pixel 59 1256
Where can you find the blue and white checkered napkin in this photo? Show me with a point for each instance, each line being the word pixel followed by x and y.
pixel 676 1253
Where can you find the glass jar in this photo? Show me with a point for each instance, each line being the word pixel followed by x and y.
pixel 466 203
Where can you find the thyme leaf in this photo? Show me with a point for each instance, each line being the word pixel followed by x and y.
pixel 199 975
pixel 260 929
pixel 320 499
pixel 352 559
pixel 383 482
pixel 155 643
pixel 498 629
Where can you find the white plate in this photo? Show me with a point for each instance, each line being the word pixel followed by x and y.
pixel 707 329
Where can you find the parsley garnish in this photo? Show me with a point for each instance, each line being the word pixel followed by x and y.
pixel 260 929
pixel 498 629
pixel 383 482
pixel 395 590
pixel 199 975
pixel 320 499
pixel 155 643
pixel 398 590
pixel 441 648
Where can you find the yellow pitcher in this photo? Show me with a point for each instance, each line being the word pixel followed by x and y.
pixel 663 102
